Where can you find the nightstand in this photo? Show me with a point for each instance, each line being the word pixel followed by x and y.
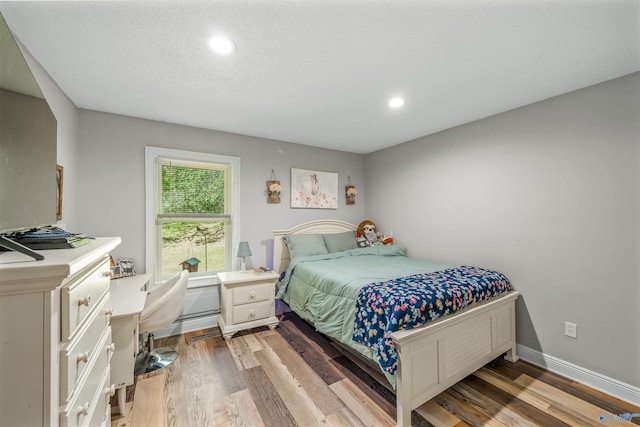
pixel 247 300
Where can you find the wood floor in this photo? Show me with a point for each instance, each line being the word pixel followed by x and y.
pixel 292 376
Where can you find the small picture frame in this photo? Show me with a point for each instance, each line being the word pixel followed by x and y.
pixel 116 273
pixel 127 267
pixel 114 270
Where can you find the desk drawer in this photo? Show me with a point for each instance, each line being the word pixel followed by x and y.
pixel 250 312
pixel 83 402
pixel 252 293
pixel 80 296
pixel 76 355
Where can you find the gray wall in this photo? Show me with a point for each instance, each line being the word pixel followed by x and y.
pixel 549 195
pixel 111 154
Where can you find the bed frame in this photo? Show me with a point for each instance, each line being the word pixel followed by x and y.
pixel 435 356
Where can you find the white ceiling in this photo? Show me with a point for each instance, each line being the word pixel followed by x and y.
pixel 320 72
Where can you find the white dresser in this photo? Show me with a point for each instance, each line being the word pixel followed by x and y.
pixel 55 337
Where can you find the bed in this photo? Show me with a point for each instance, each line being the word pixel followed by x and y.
pixel 428 358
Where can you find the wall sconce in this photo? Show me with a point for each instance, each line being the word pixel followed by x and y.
pixel 350 192
pixel 273 189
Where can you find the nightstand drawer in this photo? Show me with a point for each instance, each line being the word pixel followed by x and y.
pixel 252 293
pixel 250 312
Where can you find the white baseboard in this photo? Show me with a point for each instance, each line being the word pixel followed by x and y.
pixel 188 325
pixel 611 386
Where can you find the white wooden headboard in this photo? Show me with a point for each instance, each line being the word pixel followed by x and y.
pixel 281 255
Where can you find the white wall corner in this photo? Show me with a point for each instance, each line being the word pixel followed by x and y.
pixel 611 386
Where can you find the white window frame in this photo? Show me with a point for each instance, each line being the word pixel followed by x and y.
pixel 153 191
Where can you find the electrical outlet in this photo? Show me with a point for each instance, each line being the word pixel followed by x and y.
pixel 571 329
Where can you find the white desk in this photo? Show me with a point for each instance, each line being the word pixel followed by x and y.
pixel 127 300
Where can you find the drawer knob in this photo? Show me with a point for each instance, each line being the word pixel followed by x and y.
pixel 84 300
pixel 84 409
pixel 110 391
pixel 83 357
pixel 252 314
pixel 252 295
pixel 111 347
pixel 109 312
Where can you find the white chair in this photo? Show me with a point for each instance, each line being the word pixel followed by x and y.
pixel 161 309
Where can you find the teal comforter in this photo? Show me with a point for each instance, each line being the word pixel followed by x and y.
pixel 323 289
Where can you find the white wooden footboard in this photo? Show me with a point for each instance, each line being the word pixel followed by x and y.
pixel 434 357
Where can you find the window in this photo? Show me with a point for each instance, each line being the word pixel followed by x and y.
pixel 192 212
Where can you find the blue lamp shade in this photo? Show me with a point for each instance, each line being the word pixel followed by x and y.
pixel 243 249
pixel 243 252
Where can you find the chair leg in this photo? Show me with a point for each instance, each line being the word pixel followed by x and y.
pixel 143 343
pixel 154 358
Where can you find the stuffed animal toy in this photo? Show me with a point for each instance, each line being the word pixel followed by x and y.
pixel 367 235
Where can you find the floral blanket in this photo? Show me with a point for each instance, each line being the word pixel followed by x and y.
pixel 409 302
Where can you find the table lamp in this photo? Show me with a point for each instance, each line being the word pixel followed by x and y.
pixel 243 251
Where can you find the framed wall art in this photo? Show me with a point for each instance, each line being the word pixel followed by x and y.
pixel 314 189
pixel 60 184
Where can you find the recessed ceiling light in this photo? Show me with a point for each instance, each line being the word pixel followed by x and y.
pixel 221 45
pixel 396 102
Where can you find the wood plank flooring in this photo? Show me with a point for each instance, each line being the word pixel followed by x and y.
pixel 292 376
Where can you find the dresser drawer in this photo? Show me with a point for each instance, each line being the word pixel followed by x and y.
pixel 101 415
pixel 77 354
pixel 91 413
pixel 252 293
pixel 83 402
pixel 249 312
pixel 80 296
